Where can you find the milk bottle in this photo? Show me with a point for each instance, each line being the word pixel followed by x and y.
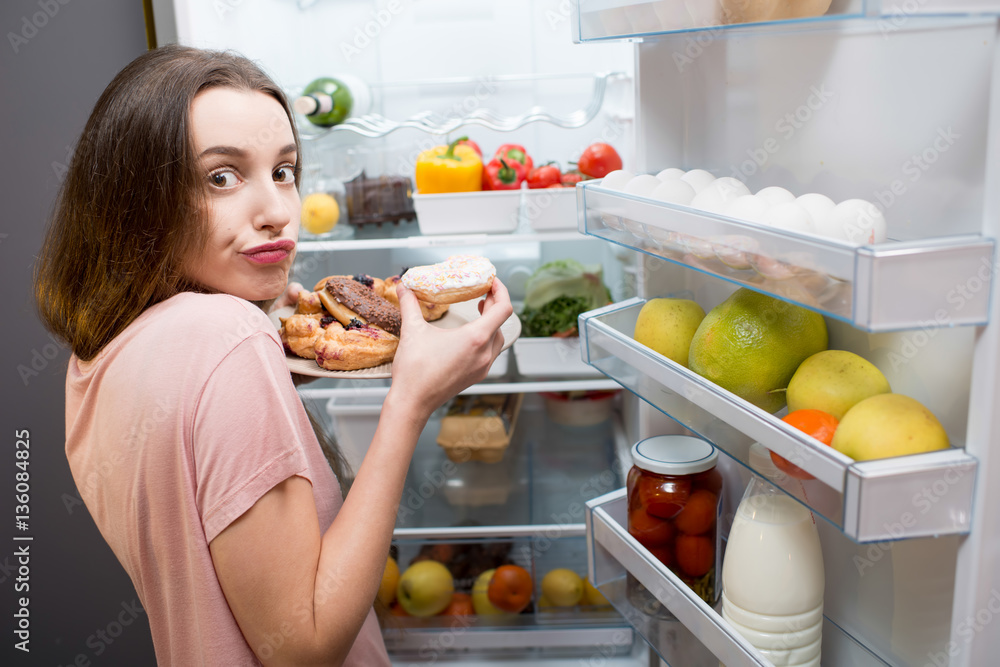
pixel 772 577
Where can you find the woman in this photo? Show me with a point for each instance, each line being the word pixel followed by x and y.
pixel 175 231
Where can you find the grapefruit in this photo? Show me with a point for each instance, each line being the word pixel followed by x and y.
pixel 751 344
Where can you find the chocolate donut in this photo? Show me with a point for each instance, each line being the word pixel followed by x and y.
pixel 363 301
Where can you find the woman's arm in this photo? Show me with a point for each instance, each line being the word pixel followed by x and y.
pixel 300 597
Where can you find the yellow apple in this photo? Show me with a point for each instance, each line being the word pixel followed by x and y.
pixel 668 325
pixel 834 381
pixel 425 588
pixel 888 425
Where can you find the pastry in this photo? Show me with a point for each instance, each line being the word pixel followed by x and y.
pixel 354 346
pixel 430 311
pixel 458 278
pixel 347 299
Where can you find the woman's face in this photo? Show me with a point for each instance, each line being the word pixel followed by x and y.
pixel 246 150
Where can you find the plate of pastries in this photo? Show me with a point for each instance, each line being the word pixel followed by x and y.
pixel 349 326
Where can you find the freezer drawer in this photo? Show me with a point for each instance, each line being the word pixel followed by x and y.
pixel 883 287
pixel 700 637
pixel 910 496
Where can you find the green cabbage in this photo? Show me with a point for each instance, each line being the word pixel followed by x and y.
pixel 557 293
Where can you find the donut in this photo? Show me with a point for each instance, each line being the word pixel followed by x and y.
pixel 458 278
pixel 347 299
pixel 354 347
pixel 376 284
pixel 430 311
pixel 300 332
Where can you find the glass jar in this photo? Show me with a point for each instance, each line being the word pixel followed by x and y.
pixel 674 506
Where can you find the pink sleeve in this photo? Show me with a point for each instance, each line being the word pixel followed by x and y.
pixel 247 432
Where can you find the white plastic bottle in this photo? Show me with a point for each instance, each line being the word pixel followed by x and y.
pixel 772 577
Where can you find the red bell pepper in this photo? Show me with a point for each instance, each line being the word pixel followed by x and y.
pixel 502 175
pixel 544 177
pixel 471 144
pixel 516 153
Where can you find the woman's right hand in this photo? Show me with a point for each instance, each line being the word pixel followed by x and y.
pixel 434 364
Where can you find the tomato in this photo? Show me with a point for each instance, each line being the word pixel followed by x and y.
pixel 460 605
pixel 815 423
pixel 698 515
pixel 648 530
pixel 663 498
pixel 471 144
pixel 695 554
pixel 663 554
pixel 510 588
pixel 598 160
pixel 544 177
pixel 571 178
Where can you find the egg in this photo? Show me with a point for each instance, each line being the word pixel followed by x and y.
pixel 819 207
pixel 719 194
pixel 790 216
pixel 617 180
pixel 860 222
pixel 642 185
pixel 673 191
pixel 670 173
pixel 748 207
pixel 775 195
pixel 673 14
pixel 698 179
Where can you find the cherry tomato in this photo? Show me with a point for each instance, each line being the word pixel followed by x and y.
pixel 695 554
pixel 648 530
pixel 571 178
pixel 698 515
pixel 663 498
pixel 663 554
pixel 815 423
pixel 598 160
pixel 544 177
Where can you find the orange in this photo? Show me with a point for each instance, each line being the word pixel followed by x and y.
pixel 815 423
pixel 461 605
pixel 510 588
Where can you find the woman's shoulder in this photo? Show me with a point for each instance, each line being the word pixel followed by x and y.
pixel 212 317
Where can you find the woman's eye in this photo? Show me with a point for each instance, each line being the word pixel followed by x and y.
pixel 285 174
pixel 223 179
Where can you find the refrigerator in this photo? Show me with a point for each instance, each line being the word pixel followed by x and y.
pixel 890 102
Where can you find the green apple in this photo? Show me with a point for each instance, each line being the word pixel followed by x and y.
pixel 425 588
pixel 887 425
pixel 834 381
pixel 668 325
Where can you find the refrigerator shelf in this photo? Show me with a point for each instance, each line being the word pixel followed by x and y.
pixel 700 637
pixel 597 20
pixel 913 496
pixel 883 287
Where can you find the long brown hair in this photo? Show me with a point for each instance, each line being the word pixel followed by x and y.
pixel 132 205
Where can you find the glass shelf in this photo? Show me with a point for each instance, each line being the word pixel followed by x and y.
pixel 883 287
pixel 596 20
pixel 700 631
pixel 912 496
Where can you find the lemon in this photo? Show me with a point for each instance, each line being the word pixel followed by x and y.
pixel 751 344
pixel 594 596
pixel 562 587
pixel 320 213
pixel 390 579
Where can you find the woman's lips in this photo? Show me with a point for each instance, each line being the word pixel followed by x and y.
pixel 270 253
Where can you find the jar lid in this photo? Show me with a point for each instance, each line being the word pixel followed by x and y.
pixel 674 454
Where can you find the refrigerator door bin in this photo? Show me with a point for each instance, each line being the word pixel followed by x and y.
pixel 628 19
pixel 883 287
pixel 868 500
pixel 614 555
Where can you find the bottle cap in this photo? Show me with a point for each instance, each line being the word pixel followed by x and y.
pixel 674 455
pixel 306 105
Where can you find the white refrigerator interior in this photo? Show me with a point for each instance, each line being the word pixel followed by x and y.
pixel 891 102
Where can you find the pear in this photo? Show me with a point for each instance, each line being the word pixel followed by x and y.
pixel 887 425
pixel 834 381
pixel 668 325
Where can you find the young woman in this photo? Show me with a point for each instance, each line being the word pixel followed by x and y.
pixel 175 231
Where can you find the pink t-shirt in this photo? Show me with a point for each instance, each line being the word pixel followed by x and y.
pixel 174 431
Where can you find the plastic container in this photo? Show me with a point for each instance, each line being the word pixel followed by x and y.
pixel 468 212
pixel 773 578
pixel 548 357
pixel 579 408
pixel 550 209
pixel 674 506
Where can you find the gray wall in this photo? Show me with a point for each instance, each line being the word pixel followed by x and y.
pixel 56 57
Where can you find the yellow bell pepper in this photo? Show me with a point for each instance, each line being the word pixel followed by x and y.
pixel 450 168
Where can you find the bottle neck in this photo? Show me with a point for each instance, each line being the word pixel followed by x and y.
pixel 313 104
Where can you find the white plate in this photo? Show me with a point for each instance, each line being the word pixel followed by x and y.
pixel 457 315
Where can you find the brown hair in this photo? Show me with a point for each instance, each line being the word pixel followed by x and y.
pixel 131 208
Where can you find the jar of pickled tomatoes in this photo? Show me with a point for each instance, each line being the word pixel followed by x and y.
pixel 674 505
